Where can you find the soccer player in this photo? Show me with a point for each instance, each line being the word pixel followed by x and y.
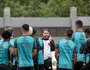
pixel 87 32
pixel 79 38
pixel 65 50
pixel 49 46
pixel 12 40
pixel 39 58
pixel 25 49
pixel 6 51
pixel 87 50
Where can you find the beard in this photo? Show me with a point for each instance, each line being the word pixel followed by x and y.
pixel 46 37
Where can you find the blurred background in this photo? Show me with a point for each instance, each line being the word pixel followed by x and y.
pixel 45 8
pixel 56 15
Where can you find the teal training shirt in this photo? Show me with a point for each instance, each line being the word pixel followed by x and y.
pixel 40 52
pixel 4 52
pixel 66 49
pixel 25 46
pixel 79 38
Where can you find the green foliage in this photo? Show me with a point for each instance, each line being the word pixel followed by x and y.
pixel 1 7
pixel 45 8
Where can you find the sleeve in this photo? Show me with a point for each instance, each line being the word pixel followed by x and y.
pixel 11 49
pixel 43 44
pixel 57 45
pixel 72 37
pixel 85 37
pixel 52 44
pixel 83 45
pixel 15 44
pixel 34 44
pixel 10 45
pixel 75 49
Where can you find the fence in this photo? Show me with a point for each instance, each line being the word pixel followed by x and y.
pixel 38 22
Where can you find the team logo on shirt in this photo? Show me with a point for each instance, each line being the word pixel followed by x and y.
pixel 25 44
pixel 48 44
pixel 1 49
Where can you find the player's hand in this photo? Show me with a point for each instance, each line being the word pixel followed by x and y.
pixel 50 38
pixel 10 63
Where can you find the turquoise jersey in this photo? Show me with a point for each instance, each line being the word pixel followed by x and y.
pixel 4 52
pixel 12 40
pixel 25 46
pixel 40 52
pixel 79 38
pixel 66 49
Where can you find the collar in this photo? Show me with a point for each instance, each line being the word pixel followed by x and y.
pixel 44 39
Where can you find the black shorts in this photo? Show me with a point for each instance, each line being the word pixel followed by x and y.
pixel 78 66
pixel 48 64
pixel 87 66
pixel 26 68
pixel 14 67
pixel 63 69
pixel 4 67
pixel 41 67
pixel 36 67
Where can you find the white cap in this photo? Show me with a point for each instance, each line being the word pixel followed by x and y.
pixel 30 30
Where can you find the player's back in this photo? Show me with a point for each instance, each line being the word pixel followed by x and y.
pixel 66 49
pixel 25 45
pixel 4 52
pixel 78 39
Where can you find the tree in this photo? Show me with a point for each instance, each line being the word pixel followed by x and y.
pixel 1 7
pixel 45 8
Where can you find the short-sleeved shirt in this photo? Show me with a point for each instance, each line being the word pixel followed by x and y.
pixel 40 52
pixel 66 49
pixel 4 52
pixel 25 46
pixel 79 38
pixel 12 40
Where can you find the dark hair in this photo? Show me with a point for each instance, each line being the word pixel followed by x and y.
pixel 87 30
pixel 79 23
pixel 25 27
pixel 69 33
pixel 6 34
pixel 46 29
pixel 34 32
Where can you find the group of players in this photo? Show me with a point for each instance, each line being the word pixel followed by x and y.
pixel 30 52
